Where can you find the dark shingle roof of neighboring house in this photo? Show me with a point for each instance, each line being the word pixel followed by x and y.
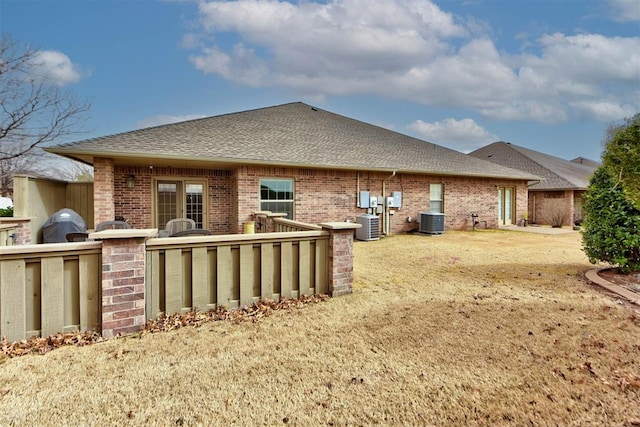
pixel 558 174
pixel 294 134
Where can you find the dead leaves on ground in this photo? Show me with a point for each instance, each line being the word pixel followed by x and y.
pixel 252 313
pixel 38 345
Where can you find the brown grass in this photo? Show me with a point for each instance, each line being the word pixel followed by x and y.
pixel 467 328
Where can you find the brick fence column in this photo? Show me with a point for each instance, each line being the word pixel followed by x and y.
pixel 123 280
pixel 340 256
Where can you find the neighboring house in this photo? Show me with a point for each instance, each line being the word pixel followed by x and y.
pixel 558 197
pixel 294 158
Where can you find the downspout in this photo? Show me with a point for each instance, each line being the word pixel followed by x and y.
pixel 358 189
pixel 385 215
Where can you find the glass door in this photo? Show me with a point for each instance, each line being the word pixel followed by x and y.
pixel 166 202
pixel 506 205
pixel 180 199
pixel 194 203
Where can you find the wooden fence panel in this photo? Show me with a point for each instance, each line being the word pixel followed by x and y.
pixel 321 274
pixel 173 277
pixel 246 274
pixel 235 270
pixel 200 277
pixel 90 291
pixel 12 299
pixel 53 300
pixel 224 267
pixel 286 269
pixel 266 270
pixel 305 267
pixel 46 289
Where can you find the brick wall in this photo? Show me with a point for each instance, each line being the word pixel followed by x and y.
pixel 542 204
pixel 103 190
pixel 328 195
pixel 136 204
pixel 320 195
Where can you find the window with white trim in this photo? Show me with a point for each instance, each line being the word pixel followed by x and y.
pixel 436 198
pixel 276 195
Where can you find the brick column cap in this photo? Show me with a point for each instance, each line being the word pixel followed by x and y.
pixel 340 225
pixel 16 218
pixel 130 233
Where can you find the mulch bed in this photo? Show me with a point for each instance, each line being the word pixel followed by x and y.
pixel 630 282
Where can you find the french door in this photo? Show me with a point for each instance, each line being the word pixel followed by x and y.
pixel 506 205
pixel 180 199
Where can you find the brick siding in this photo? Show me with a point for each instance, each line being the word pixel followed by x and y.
pixel 103 190
pixel 320 195
pixel 136 204
pixel 328 195
pixel 543 202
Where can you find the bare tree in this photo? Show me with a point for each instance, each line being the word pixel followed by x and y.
pixel 74 171
pixel 34 110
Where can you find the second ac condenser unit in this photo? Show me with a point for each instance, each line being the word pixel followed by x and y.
pixel 370 229
pixel 431 222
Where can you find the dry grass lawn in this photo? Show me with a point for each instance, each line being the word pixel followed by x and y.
pixel 467 328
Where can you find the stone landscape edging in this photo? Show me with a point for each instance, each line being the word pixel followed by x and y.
pixel 593 276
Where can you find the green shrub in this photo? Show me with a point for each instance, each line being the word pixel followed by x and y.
pixel 6 212
pixel 612 226
pixel 622 158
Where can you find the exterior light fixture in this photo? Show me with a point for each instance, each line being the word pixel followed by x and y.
pixel 131 181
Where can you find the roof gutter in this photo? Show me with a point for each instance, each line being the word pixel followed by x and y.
pixel 87 157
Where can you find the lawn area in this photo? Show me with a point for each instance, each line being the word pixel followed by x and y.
pixel 466 328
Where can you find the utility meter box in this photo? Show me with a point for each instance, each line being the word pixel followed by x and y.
pixel 363 200
pixel 397 199
pixel 389 203
pixel 373 202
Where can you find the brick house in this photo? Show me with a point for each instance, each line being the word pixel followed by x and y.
pixel 558 197
pixel 294 158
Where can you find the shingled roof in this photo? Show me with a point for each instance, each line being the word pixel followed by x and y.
pixel 295 134
pixel 558 174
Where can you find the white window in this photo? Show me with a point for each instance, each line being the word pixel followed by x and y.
pixel 276 195
pixel 436 198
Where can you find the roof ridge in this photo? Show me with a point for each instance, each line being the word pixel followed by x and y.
pixel 518 148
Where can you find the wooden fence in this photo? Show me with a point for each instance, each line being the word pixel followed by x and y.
pixel 7 233
pixel 234 270
pixel 286 225
pixel 45 289
pixel 116 283
pixel 39 198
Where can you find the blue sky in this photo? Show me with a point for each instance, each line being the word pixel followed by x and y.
pixel 549 75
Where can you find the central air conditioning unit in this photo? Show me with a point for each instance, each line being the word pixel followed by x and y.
pixel 370 229
pixel 431 222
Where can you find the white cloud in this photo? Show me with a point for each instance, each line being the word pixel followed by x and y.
pixel 412 50
pixel 55 67
pixel 625 10
pixel 463 135
pixel 605 111
pixel 164 119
